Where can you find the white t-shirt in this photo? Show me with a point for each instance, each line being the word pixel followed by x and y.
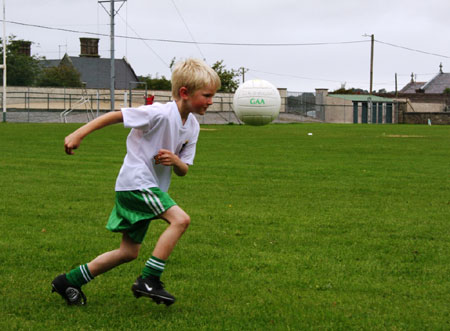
pixel 155 127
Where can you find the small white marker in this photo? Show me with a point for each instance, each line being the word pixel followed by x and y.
pixel 310 134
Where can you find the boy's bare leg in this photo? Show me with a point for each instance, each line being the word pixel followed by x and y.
pixel 149 283
pixel 127 252
pixel 69 285
pixel 178 223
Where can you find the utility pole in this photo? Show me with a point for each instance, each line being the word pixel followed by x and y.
pixel 3 66
pixel 396 90
pixel 371 62
pixel 112 13
pixel 59 50
pixel 243 70
pixel 113 70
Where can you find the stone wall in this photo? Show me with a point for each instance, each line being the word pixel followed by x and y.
pixel 59 99
pixel 421 102
pixel 423 118
pixel 417 97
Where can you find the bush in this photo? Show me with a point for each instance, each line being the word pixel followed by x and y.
pixel 61 76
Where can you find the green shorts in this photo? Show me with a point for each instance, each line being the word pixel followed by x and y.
pixel 134 210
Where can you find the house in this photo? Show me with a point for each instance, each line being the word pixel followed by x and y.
pixel 436 85
pixel 95 71
pixel 354 108
pixel 412 86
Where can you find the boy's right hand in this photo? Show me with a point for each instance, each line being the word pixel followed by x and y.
pixel 74 139
pixel 71 142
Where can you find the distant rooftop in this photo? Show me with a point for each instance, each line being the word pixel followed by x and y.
pixel 361 97
pixel 95 71
pixel 436 85
pixel 411 87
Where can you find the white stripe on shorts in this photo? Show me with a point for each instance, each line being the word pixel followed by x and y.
pixel 155 201
pixel 150 204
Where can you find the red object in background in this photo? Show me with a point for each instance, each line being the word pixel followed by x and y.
pixel 149 100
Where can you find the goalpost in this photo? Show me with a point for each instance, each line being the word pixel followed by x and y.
pixel 84 100
pixel 3 66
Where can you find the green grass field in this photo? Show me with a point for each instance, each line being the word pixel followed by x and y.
pixel 345 229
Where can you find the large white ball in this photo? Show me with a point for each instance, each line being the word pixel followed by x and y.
pixel 257 102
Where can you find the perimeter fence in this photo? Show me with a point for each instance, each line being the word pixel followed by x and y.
pixel 351 109
pixel 81 105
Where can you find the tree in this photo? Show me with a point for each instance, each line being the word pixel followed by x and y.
pixel 229 78
pixel 22 70
pixel 352 90
pixel 63 75
pixel 158 84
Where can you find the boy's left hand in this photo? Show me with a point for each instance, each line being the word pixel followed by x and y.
pixel 166 157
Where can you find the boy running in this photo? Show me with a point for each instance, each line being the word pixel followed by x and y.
pixel 162 137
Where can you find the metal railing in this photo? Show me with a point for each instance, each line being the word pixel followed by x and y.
pixel 84 105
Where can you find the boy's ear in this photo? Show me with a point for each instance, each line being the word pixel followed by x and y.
pixel 183 92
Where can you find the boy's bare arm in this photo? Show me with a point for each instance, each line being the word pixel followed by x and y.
pixel 167 158
pixel 74 139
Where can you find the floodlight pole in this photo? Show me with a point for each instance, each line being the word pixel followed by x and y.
pixel 3 66
pixel 113 71
pixel 112 13
pixel 372 39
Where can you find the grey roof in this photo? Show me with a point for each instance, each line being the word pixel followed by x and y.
pixel 361 97
pixel 438 84
pixel 95 72
pixel 49 63
pixel 411 87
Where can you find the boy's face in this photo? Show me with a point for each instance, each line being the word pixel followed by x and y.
pixel 201 99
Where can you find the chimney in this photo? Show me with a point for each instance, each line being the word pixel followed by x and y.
pixel 322 91
pixel 23 47
pixel 89 47
pixel 321 94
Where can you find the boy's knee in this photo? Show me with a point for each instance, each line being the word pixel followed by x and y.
pixel 129 256
pixel 186 221
pixel 183 221
pixel 177 217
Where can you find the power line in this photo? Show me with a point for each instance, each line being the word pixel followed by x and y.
pixel 314 79
pixel 145 43
pixel 301 77
pixel 412 49
pixel 226 43
pixel 188 30
pixel 418 74
pixel 191 42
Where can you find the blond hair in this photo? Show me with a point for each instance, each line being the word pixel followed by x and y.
pixel 194 74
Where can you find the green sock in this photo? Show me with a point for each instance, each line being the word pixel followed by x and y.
pixel 79 276
pixel 153 266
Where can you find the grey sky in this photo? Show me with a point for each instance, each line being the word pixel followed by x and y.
pixel 419 25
